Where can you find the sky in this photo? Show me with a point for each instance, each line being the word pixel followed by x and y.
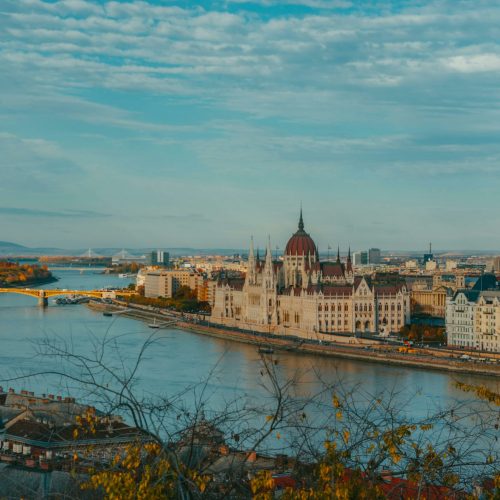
pixel 144 123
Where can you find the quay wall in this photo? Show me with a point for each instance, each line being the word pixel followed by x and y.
pixel 336 349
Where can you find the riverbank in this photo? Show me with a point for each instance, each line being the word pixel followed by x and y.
pixel 32 283
pixel 385 354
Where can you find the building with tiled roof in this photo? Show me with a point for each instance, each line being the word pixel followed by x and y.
pixel 309 298
pixel 473 316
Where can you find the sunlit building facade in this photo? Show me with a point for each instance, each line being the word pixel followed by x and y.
pixel 304 297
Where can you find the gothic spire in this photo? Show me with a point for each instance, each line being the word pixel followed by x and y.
pixel 338 253
pixel 250 254
pixel 301 221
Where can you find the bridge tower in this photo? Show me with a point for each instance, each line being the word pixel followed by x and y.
pixel 43 300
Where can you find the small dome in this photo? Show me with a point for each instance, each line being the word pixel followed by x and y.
pixel 300 243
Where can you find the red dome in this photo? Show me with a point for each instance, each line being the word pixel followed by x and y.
pixel 300 243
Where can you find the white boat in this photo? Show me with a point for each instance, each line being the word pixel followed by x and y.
pixel 154 324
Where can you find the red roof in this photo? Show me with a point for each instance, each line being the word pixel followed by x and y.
pixel 300 244
pixel 332 269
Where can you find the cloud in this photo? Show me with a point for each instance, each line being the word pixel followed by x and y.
pixel 34 212
pixel 244 104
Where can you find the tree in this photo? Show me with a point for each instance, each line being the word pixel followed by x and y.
pixel 341 439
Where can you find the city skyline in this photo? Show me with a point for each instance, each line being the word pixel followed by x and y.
pixel 197 124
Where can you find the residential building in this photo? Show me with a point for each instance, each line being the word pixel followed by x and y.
pixel 44 432
pixel 166 282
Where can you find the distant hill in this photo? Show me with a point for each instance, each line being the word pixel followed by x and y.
pixel 8 244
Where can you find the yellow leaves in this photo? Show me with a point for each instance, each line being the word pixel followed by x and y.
pixel 426 427
pixel 75 433
pixel 346 435
pixel 144 472
pixel 262 486
pixel 338 415
pixel 336 402
pixel 481 391
pixel 269 418
pixel 278 435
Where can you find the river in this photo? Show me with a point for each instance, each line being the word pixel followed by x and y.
pixel 180 359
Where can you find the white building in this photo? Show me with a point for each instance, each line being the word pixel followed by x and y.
pixel 304 297
pixel 460 310
pixel 473 317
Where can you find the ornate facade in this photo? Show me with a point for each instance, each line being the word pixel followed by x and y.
pixel 304 297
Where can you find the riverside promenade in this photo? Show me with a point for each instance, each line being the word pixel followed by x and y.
pixel 426 359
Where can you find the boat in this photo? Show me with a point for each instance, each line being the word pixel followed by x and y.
pixel 154 324
pixel 107 313
pixel 266 350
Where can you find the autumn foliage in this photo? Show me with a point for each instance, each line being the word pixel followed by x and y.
pixel 15 274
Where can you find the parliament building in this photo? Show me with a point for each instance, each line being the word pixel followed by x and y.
pixel 305 297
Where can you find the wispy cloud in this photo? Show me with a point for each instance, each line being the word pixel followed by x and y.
pixel 35 212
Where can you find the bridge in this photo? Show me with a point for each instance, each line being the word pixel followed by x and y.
pixel 44 295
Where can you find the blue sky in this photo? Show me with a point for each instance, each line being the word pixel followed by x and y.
pixel 157 123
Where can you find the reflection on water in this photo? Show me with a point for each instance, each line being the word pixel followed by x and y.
pixel 180 358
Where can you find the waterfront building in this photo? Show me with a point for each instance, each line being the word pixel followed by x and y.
pixel 473 316
pixel 302 296
pixel 166 282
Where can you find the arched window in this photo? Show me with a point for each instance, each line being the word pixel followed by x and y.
pixel 320 307
pixel 326 307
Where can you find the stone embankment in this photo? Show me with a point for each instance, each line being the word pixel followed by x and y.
pixel 427 359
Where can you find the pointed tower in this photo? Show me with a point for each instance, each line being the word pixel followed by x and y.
pixel 349 273
pixel 349 261
pixel 338 254
pixel 268 281
pixel 250 277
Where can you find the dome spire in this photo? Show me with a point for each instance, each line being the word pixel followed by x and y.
pixel 301 220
